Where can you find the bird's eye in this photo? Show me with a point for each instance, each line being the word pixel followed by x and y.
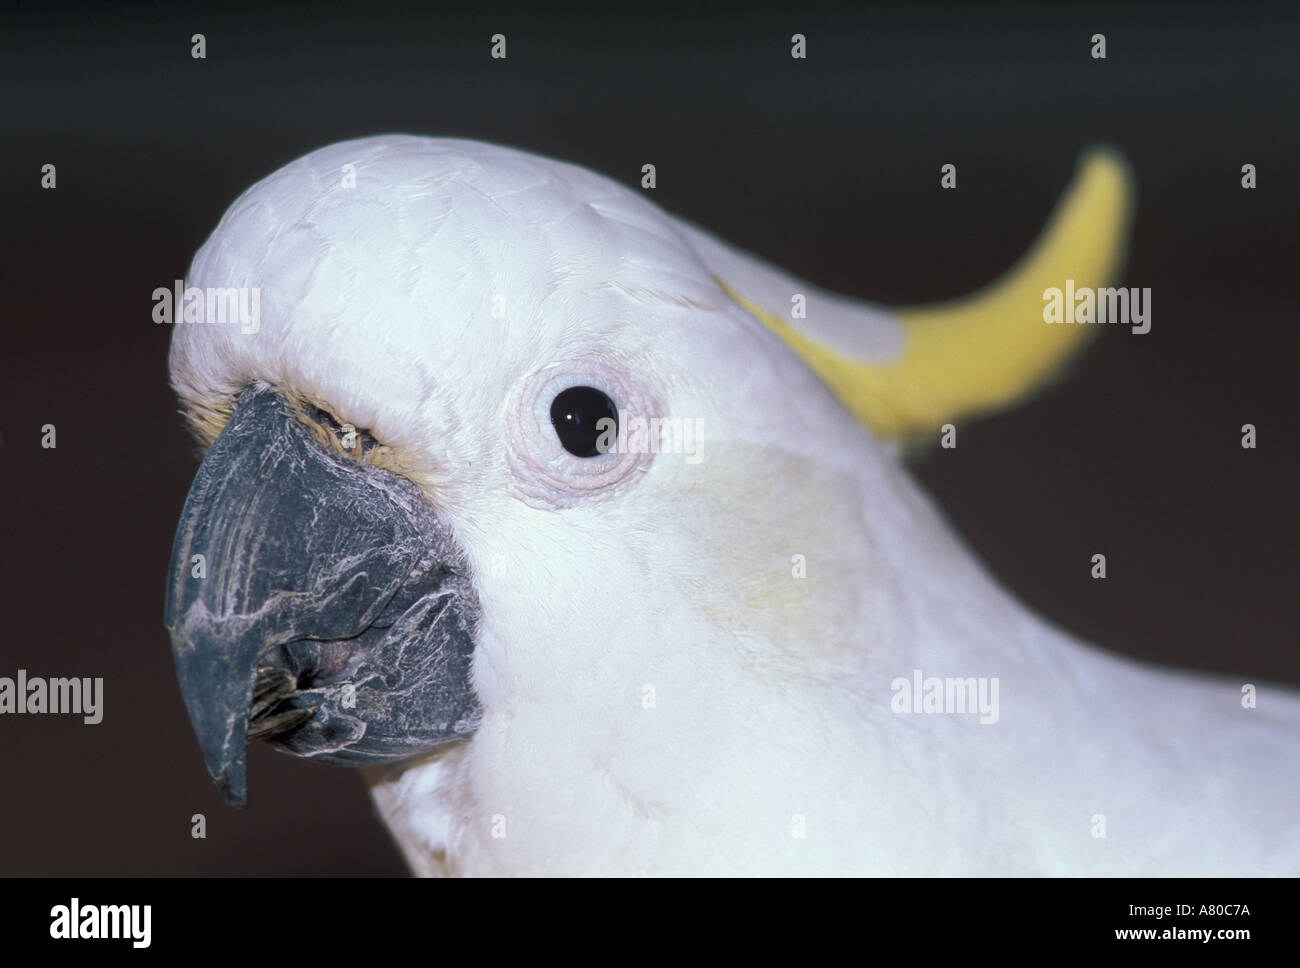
pixel 585 420
pixel 569 439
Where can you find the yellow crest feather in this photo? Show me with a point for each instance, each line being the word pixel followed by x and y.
pixel 992 348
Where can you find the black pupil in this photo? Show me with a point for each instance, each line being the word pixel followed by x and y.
pixel 576 414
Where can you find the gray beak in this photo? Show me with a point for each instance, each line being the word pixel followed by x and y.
pixel 315 601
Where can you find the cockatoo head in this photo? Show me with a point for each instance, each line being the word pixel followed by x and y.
pixel 507 445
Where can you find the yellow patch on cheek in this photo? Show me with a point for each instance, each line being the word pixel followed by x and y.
pixel 777 553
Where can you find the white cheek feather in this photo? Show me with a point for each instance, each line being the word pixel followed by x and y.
pixel 699 672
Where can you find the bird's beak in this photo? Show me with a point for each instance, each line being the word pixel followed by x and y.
pixel 316 601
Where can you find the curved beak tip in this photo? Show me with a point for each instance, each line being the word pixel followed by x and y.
pixel 233 785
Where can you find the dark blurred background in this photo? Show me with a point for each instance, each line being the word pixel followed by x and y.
pixel 828 166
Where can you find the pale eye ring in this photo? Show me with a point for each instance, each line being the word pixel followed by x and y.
pixel 563 426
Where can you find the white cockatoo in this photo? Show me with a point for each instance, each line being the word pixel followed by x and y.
pixel 587 534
